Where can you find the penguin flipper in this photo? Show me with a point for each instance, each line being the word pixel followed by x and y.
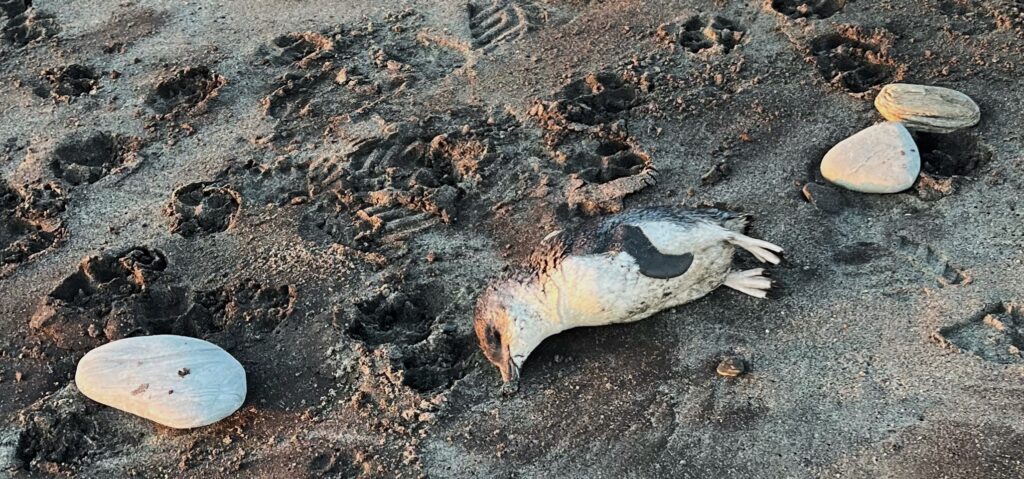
pixel 653 263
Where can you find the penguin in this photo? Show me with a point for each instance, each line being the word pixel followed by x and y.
pixel 616 269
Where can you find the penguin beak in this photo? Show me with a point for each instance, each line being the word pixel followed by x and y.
pixel 510 375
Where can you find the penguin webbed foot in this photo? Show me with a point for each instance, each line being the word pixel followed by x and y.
pixel 752 282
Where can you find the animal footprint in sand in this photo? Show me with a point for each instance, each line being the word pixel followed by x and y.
pixel 130 293
pixel 88 157
pixel 498 22
pixel 437 364
pixel 697 34
pixel 239 311
pixel 995 335
pixel 604 173
pixel 849 63
pixel 111 296
pixel 202 208
pixel 187 91
pixel 390 318
pixel 610 161
pixel 930 264
pixel 30 25
pixel 429 355
pixel 301 49
pixel 947 161
pixel 591 100
pixel 66 83
pixel 28 225
pixel 815 9
pixel 346 72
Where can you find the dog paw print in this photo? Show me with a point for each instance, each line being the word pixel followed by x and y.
pixel 300 49
pixel 594 99
pixel 603 173
pixel 849 63
pixel 187 91
pixel 813 9
pixel 68 82
pixel 202 208
pixel 608 162
pixel 698 34
pixel 996 334
pixel 89 157
pixel 390 318
pixel 28 225
pixel 28 26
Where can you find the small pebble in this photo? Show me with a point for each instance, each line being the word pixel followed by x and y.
pixel 716 174
pixel 731 367
pixel 823 197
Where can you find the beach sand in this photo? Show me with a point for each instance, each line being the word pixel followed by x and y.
pixel 323 188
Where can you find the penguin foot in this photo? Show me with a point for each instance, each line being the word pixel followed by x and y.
pixel 751 281
pixel 764 251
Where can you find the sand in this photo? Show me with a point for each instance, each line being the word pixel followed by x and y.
pixel 323 188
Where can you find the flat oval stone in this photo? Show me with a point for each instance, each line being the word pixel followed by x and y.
pixel 176 381
pixel 927 108
pixel 879 159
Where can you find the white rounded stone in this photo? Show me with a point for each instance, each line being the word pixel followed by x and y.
pixel 927 108
pixel 879 159
pixel 176 381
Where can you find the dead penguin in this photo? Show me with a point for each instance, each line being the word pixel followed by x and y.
pixel 618 269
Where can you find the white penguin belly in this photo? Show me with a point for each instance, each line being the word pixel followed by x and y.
pixel 596 290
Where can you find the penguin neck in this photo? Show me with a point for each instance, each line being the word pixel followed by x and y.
pixel 543 305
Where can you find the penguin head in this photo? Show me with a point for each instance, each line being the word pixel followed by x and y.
pixel 506 329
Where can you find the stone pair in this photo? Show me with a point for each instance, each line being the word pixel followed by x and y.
pixel 884 158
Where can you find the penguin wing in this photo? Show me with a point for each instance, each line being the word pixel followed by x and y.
pixel 652 263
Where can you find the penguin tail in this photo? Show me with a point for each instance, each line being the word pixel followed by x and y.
pixel 736 222
pixel 762 250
